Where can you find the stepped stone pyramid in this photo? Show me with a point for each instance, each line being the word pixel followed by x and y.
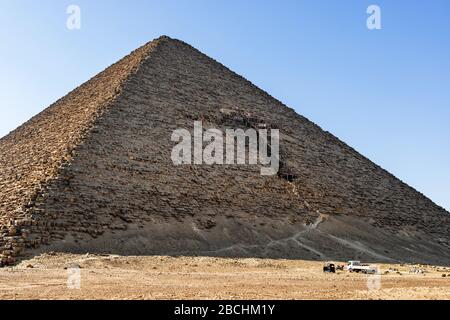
pixel 93 173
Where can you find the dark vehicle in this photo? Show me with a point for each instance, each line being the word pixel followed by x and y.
pixel 329 267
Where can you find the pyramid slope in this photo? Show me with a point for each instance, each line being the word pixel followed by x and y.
pixel 109 184
pixel 32 155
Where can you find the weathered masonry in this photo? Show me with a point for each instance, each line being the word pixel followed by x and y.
pixel 92 173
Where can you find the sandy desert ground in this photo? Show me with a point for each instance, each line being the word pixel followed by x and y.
pixel 117 277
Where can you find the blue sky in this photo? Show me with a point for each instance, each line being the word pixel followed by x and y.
pixel 385 92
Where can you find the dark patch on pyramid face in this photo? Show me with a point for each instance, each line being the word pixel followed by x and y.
pixel 93 173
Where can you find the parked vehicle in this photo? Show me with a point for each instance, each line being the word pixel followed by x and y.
pixel 329 267
pixel 357 266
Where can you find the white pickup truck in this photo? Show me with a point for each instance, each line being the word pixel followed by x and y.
pixel 357 266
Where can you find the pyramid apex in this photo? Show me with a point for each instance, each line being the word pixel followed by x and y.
pixel 159 40
pixel 162 38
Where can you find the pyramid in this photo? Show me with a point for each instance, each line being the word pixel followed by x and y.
pixel 93 173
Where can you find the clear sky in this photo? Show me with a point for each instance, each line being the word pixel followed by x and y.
pixel 384 92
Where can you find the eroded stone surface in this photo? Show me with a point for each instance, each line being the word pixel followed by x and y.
pixel 93 171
